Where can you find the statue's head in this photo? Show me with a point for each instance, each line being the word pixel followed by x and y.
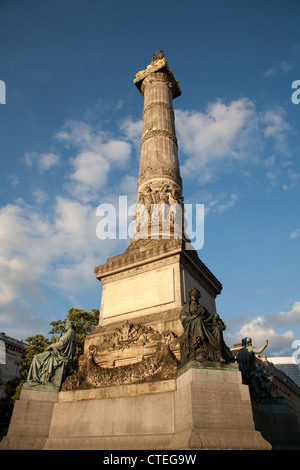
pixel 158 55
pixel 194 294
pixel 246 341
pixel 69 324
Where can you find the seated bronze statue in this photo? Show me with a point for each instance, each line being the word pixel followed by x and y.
pixel 202 339
pixel 48 368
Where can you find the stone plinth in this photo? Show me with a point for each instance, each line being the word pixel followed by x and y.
pixel 213 411
pixel 31 420
pixel 202 409
pixel 148 285
pixel 153 279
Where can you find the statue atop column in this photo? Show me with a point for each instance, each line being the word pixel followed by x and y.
pixel 202 339
pixel 157 56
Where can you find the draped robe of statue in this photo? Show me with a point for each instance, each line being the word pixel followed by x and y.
pixel 258 380
pixel 202 335
pixel 43 365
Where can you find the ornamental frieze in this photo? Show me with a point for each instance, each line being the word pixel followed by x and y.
pixel 159 132
pixel 133 353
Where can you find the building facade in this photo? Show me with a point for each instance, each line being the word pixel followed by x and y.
pixel 288 365
pixel 11 352
pixel 284 384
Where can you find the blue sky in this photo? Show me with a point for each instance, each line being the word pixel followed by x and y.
pixel 69 141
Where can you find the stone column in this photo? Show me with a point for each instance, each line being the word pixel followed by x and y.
pixel 159 182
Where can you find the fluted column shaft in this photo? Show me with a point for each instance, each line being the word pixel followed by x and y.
pixel 159 179
pixel 159 151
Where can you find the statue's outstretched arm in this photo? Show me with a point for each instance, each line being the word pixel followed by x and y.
pixel 261 349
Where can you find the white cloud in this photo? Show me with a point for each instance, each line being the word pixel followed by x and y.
pixel 47 160
pixel 84 137
pixel 128 187
pixel 21 265
pixel 290 318
pixel 116 151
pixel 270 326
pixel 228 204
pixel 132 130
pixel 217 202
pixel 270 161
pixel 264 290
pixel 97 152
pixel 59 249
pixel 219 135
pixel 14 179
pixel 80 134
pixel 90 170
pixel 292 177
pixel 40 196
pixel 44 161
pixel 295 234
pixel 75 227
pixel 280 172
pixel 282 66
pixel 56 250
pixel 276 127
pixel 259 329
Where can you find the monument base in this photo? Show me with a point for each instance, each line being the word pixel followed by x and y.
pixel 201 409
pixel 31 420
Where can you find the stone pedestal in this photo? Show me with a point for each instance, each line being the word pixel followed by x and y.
pixel 31 420
pixel 201 409
pixel 151 279
pixel 147 286
pixel 213 411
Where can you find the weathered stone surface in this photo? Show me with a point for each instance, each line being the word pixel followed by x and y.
pixel 135 293
pixel 32 415
pixel 159 179
pixel 202 409
pixel 134 283
pixel 130 354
